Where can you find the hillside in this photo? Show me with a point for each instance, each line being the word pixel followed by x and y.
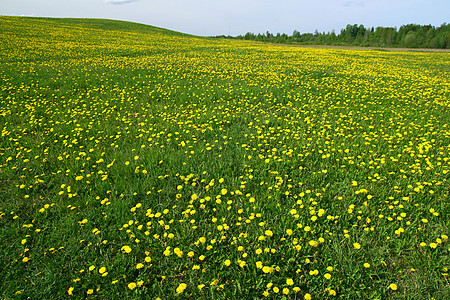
pixel 137 162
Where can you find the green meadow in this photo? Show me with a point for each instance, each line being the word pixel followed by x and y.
pixel 141 163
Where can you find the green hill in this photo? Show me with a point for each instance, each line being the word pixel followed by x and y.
pixel 141 163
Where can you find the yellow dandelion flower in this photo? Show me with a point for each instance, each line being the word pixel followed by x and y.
pixel 139 266
pixel 132 285
pixel 181 288
pixel 126 249
pixel 267 269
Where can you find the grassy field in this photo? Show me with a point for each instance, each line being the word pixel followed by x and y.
pixel 137 162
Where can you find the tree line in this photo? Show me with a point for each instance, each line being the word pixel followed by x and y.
pixel 408 36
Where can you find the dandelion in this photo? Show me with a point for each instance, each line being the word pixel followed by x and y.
pixel 139 266
pixel 313 243
pixel 132 285
pixel 181 288
pixel 289 281
pixel 307 296
pixel 178 252
pixel 267 269
pixel 393 286
pixel 356 245
pixel 126 249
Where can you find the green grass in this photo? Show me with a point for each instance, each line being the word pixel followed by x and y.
pixel 328 167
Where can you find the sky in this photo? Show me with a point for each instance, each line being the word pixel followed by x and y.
pixel 237 17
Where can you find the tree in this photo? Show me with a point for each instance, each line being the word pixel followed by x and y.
pixel 410 40
pixel 410 35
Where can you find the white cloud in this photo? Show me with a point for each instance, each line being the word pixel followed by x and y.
pixel 353 3
pixel 119 1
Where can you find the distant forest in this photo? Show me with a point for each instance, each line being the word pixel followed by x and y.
pixel 408 36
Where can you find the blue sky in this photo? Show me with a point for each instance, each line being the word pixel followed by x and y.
pixel 217 17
